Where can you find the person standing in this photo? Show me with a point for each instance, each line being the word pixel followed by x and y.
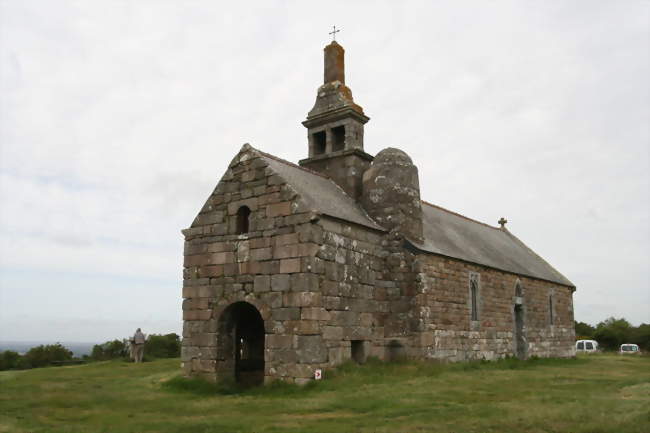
pixel 138 345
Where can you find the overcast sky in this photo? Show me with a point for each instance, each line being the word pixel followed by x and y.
pixel 117 119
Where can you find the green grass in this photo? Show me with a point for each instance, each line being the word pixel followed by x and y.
pixel 597 393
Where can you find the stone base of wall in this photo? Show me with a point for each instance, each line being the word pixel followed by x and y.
pixel 455 346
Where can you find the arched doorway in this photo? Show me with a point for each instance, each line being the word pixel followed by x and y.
pixel 240 344
pixel 519 337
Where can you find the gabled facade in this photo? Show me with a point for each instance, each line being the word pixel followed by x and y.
pixel 292 268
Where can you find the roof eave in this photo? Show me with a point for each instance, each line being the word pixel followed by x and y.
pixel 419 248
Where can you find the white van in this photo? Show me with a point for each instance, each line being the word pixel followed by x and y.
pixel 586 346
pixel 629 348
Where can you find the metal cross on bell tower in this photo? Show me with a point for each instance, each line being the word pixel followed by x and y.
pixel 334 32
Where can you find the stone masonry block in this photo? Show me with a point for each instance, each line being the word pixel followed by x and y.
pixel 221 258
pixel 314 313
pixel 286 239
pixel 285 313
pixel 285 251
pixel 304 282
pixel 332 302
pixel 211 271
pixel 311 349
pixel 197 260
pixel 272 299
pixel 289 266
pixel 278 209
pixel 332 332
pixel 204 340
pixel 260 243
pixel 280 283
pixel 197 314
pixel 262 283
pixel 301 299
pixel 301 372
pixel 259 254
pixel 338 355
pixel 190 292
pixel 274 341
pixel 219 247
pixel 282 356
pixel 210 291
pixel 303 327
pixel 308 249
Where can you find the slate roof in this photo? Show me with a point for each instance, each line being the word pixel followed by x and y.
pixel 320 193
pixel 453 235
pixel 445 233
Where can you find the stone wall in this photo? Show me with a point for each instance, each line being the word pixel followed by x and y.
pixel 269 267
pixel 355 298
pixel 444 313
pixel 328 290
pixel 311 278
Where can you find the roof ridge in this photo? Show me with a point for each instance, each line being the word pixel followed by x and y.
pixel 291 164
pixel 460 215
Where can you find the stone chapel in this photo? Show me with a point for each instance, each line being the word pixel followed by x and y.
pixel 289 268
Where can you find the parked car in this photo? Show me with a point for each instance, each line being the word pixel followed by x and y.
pixel 587 346
pixel 629 348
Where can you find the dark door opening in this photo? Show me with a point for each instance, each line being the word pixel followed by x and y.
pixel 520 339
pixel 241 343
pixel 358 351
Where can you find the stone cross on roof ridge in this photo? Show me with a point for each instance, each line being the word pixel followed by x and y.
pixel 503 222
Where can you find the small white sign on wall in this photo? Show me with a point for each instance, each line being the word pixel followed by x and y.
pixel 318 374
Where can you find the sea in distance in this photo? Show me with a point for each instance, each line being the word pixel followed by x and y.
pixel 78 348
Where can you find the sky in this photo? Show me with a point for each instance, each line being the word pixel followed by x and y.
pixel 118 118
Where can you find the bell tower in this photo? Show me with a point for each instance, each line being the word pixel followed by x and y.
pixel 335 128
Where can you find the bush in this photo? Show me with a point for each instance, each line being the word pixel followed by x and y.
pixel 10 360
pixel 611 333
pixel 43 355
pixel 641 336
pixel 584 331
pixel 110 350
pixel 163 346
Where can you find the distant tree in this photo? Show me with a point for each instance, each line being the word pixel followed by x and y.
pixel 114 349
pixel 163 346
pixel 44 355
pixel 641 336
pixel 584 331
pixel 10 360
pixel 613 332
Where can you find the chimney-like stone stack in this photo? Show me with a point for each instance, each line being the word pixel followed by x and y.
pixel 334 63
pixel 335 128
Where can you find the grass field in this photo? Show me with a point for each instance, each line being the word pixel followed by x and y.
pixel 601 393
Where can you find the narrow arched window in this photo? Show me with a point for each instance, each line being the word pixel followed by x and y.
pixel 519 292
pixel 551 313
pixel 474 295
pixel 243 220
